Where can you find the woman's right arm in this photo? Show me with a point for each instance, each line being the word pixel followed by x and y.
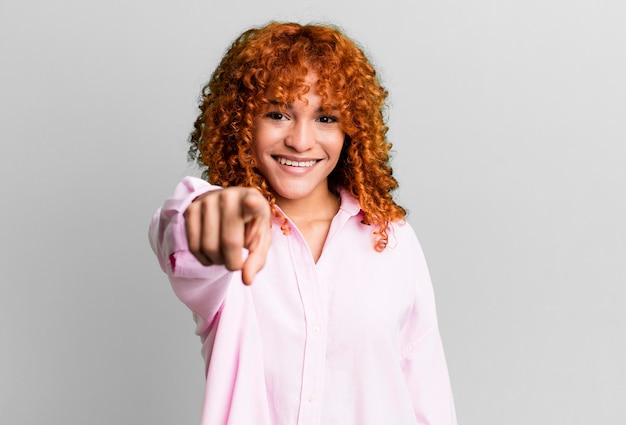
pixel 198 237
pixel 201 288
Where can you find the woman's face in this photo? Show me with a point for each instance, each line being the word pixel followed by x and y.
pixel 297 146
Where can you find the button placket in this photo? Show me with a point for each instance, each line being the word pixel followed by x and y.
pixel 308 280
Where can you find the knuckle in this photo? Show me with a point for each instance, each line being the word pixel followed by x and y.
pixel 207 247
pixel 228 197
pixel 231 242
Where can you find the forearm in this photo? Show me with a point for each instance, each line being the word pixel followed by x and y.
pixel 200 287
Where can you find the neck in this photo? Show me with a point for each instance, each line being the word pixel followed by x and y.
pixel 323 207
pixel 312 217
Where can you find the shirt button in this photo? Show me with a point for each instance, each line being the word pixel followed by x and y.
pixel 311 398
pixel 316 330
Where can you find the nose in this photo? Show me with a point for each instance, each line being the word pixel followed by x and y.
pixel 301 136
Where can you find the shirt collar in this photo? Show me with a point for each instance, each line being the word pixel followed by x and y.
pixel 349 204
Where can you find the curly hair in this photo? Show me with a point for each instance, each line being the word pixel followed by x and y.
pixel 278 57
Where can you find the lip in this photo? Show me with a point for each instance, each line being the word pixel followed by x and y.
pixel 295 162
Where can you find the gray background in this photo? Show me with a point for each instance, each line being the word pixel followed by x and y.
pixel 508 122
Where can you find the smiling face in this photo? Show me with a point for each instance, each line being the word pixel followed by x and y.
pixel 297 146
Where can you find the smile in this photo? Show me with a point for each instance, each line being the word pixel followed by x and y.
pixel 289 162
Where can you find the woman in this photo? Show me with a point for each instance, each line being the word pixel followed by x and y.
pixel 335 321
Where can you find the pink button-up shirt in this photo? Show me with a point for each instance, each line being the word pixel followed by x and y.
pixel 351 339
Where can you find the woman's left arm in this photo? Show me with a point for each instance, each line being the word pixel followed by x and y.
pixel 422 356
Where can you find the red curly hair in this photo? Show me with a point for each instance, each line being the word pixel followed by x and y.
pixel 278 57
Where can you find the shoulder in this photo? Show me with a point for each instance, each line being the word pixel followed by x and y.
pixel 402 234
pixel 402 229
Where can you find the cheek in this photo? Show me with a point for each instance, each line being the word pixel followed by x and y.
pixel 338 142
pixel 262 138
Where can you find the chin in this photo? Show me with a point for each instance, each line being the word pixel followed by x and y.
pixel 294 193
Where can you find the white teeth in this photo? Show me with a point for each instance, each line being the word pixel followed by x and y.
pixel 291 163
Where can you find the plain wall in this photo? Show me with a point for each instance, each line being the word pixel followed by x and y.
pixel 508 120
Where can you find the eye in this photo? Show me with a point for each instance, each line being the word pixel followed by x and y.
pixel 328 119
pixel 275 116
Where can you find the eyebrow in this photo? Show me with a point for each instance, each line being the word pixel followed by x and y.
pixel 275 102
